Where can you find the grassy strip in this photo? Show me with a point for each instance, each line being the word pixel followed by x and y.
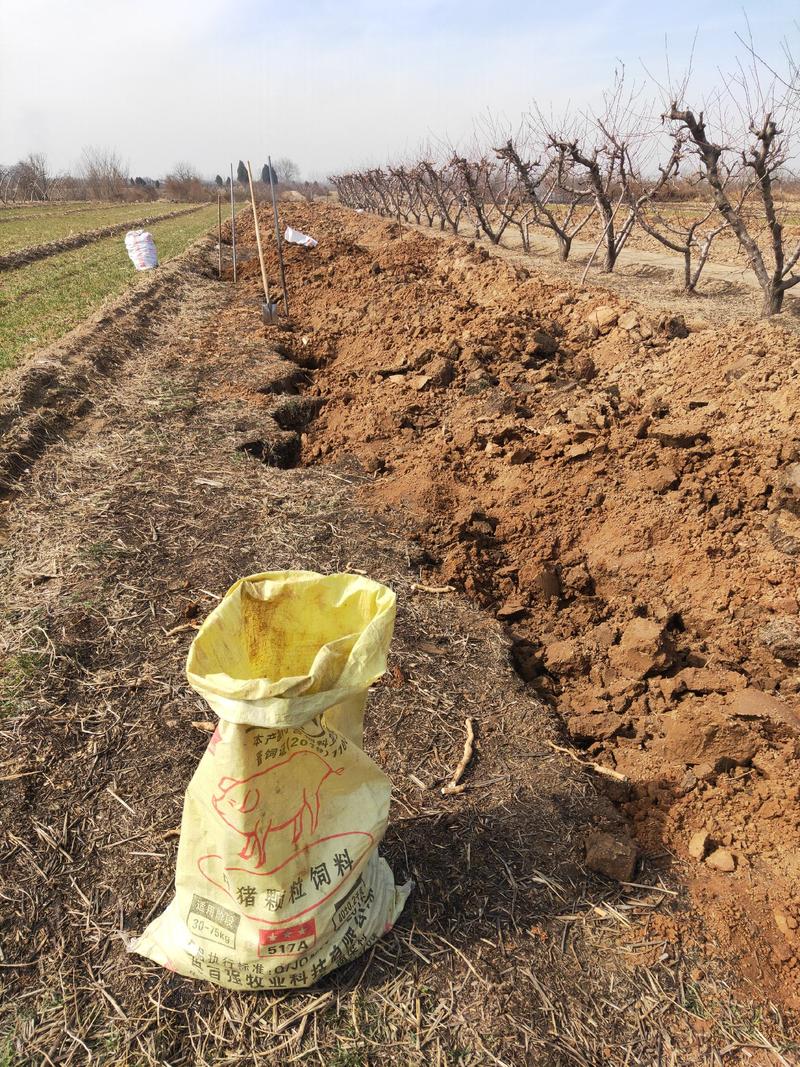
pixel 23 256
pixel 42 302
pixel 50 208
pixel 43 228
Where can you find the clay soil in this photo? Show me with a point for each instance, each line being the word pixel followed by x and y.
pixel 607 509
pixel 623 493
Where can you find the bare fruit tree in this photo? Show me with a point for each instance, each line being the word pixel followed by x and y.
pixel 682 228
pixel 487 194
pixel 749 154
pixel 595 153
pixel 440 187
pixel 405 193
pixel 556 203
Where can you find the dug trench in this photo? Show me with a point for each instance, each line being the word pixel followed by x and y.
pixel 622 492
pixel 176 443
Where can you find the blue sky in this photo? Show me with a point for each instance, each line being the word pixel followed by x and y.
pixel 330 84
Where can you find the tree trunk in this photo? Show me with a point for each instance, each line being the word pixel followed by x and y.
pixel 610 257
pixel 773 300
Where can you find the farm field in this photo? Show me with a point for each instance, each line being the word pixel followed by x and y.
pixel 50 224
pixel 613 534
pixel 31 208
pixel 42 301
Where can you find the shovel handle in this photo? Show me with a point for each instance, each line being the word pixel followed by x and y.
pixel 258 234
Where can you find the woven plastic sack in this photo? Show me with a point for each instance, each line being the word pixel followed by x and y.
pixel 142 249
pixel 278 877
pixel 295 237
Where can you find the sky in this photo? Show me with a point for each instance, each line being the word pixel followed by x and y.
pixel 331 84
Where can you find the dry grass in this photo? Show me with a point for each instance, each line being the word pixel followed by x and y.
pixel 124 533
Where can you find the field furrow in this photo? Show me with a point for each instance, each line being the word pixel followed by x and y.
pixel 20 257
pixel 41 302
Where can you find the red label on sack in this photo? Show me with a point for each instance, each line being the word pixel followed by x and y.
pixel 299 932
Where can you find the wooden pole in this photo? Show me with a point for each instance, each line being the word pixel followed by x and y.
pixel 233 226
pixel 258 234
pixel 219 235
pixel 278 236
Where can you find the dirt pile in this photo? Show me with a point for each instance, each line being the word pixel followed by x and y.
pixel 623 491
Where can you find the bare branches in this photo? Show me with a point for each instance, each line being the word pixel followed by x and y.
pixel 624 165
pixel 761 151
pixel 596 156
pixel 104 173
pixel 551 203
pixel 30 179
pixel 487 191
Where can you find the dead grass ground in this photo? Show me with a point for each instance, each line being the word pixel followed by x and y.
pixel 135 515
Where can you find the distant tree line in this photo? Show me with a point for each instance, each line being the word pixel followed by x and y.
pixel 102 175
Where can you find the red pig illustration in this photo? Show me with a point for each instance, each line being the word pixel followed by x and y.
pixel 272 799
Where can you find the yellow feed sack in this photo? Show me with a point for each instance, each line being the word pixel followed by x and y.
pixel 278 878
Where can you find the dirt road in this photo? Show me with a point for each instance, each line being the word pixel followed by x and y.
pixel 140 481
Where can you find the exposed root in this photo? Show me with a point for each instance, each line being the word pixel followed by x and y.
pixel 453 786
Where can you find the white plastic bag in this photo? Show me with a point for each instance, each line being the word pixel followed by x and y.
pixel 295 237
pixel 142 249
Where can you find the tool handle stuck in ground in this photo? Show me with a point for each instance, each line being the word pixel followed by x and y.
pixel 278 236
pixel 219 235
pixel 269 303
pixel 233 225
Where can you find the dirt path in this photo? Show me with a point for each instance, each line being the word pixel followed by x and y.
pixel 638 257
pixel 122 531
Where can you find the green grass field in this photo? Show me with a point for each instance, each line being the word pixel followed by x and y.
pixel 44 224
pixel 41 302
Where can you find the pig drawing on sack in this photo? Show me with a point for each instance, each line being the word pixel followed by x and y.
pixel 273 799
